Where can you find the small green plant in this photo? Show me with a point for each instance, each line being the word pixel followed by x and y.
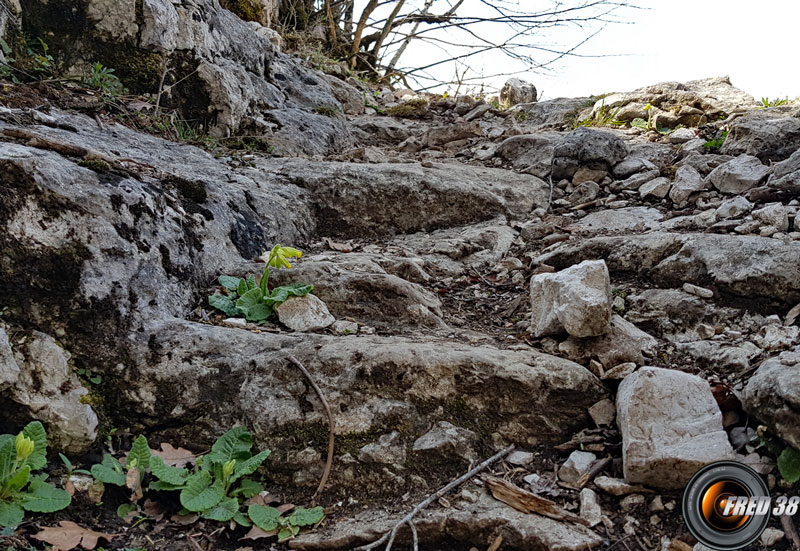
pixel 103 79
pixel 252 298
pixel 602 117
pixel 642 124
pixel 215 488
pixel 766 102
pixel 42 62
pixel 19 490
pixel 716 143
pixel 327 110
pixel 7 65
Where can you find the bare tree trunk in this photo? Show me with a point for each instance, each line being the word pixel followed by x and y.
pixel 331 24
pixel 362 22
pixel 387 28
pixel 407 41
pixel 348 17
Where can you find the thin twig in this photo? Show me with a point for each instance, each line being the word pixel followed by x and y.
pixel 789 528
pixel 161 82
pixel 414 535
pixel 431 498
pixel 331 427
pixel 593 471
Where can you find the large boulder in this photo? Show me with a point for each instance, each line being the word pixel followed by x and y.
pixel 772 395
pixel 516 90
pixel 739 175
pixel 589 148
pixel 412 197
pixel 670 426
pixel 44 387
pixel 532 152
pixel 769 134
pixel 691 103
pixel 221 71
pixel 576 300
pixel 744 266
pixel 786 174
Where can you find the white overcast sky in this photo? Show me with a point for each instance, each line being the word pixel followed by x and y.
pixel 757 44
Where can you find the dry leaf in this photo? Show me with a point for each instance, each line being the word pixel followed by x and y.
pixel 133 482
pixel 153 510
pixel 69 487
pixel 527 502
pixel 257 533
pixel 184 520
pixel 69 535
pixel 341 247
pixel 285 508
pixel 174 457
pixel 96 491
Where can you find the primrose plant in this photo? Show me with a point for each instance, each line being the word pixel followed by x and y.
pixel 20 490
pixel 251 297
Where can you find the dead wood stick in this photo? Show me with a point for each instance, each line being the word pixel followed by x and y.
pixel 527 502
pixel 433 497
pixel 789 528
pixel 331 428
pixel 596 468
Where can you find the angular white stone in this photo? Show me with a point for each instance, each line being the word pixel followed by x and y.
pixel 577 299
pixel 306 313
pixel 738 175
pixel 670 425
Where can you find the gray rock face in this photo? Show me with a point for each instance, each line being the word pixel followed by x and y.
pixel 623 343
pixel 733 208
pixel 774 214
pixel 739 175
pixel 351 99
pixel 46 389
pixel 576 465
pixel 773 396
pixel 470 523
pixel 516 90
pixel 687 181
pixel 306 313
pixel 576 300
pixel 735 264
pixel 769 134
pixel 412 197
pixel 670 426
pixel 551 113
pixel 389 449
pixel 692 103
pixel 595 149
pixel 9 370
pixel 533 152
pixel 447 440
pixel 786 174
pixel 183 379
pixel 628 219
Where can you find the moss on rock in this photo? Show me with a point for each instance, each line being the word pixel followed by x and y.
pixel 247 10
pixel 412 109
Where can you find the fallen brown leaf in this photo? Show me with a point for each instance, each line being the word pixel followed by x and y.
pixel 341 247
pixel 285 508
pixel 133 482
pixel 257 533
pixel 175 457
pixel 184 520
pixel 152 510
pixel 69 535
pixel 527 502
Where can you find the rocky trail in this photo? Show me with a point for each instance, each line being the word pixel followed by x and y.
pixel 611 285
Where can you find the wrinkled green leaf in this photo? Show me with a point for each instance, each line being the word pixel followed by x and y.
pixel 17 480
pixel 8 454
pixel 281 294
pixel 640 123
pixel 223 511
pixel 234 444
pixel 126 509
pixel 109 471
pixel 38 459
pixel 41 497
pixel 248 466
pixel 265 518
pixel 11 514
pixel 223 304
pixel 306 517
pixel 251 305
pixel 241 519
pixel 242 290
pixel 251 282
pixel 161 486
pixel 140 451
pixel 248 488
pixel 229 282
pixel 789 464
pixel 200 494
pixel 288 532
pixel 174 476
pixel 257 313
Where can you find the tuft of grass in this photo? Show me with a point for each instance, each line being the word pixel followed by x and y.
pixel 714 145
pixel 327 110
pixel 412 109
pixel 767 103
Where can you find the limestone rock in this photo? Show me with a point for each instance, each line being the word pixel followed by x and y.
pixel 617 486
pixel 577 464
pixel 769 134
pixel 516 90
pixel 596 149
pixel 389 449
pixel 48 391
pixel 739 175
pixel 412 197
pixel 631 165
pixel 786 174
pixel 670 426
pixel 623 343
pixel 576 300
pixel 532 152
pixel 351 99
pixel 735 207
pixel 624 220
pixel 306 313
pixel 446 440
pixel 774 214
pixel 9 370
pixel 772 395
pixel 658 188
pixel 590 507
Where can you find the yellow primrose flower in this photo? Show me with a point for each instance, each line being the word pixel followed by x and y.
pixel 278 257
pixel 227 468
pixel 24 446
